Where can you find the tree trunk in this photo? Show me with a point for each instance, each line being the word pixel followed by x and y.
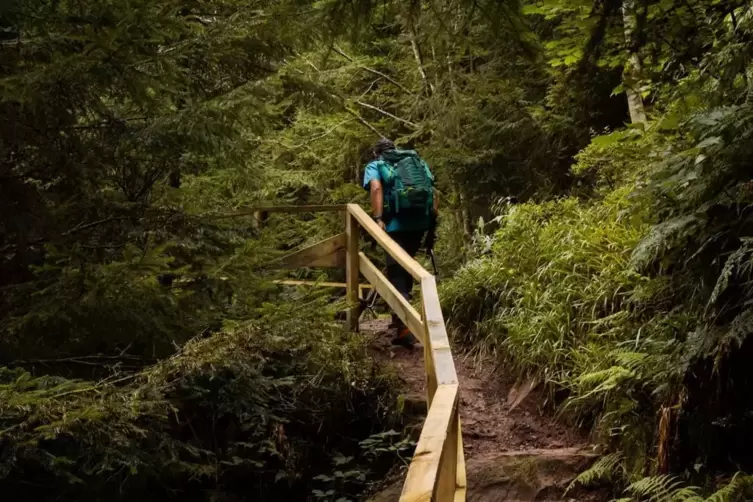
pixel 634 67
pixel 413 21
pixel 420 62
pixel 465 216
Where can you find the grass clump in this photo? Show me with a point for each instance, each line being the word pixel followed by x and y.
pixel 556 297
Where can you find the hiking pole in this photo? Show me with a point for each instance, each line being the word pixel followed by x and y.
pixel 431 237
pixel 434 263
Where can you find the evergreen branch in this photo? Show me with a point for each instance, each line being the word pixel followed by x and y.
pixel 104 124
pixel 372 70
pixel 86 226
pixel 388 114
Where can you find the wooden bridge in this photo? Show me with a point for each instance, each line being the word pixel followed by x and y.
pixel 437 471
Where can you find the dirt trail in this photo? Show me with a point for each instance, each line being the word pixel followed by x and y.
pixel 513 453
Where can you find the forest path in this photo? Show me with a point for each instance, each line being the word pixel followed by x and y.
pixel 513 451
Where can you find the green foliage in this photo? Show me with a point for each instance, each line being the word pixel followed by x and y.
pixel 158 360
pixel 348 477
pixel 241 406
pixel 637 295
pixel 623 279
pixel 671 489
pixel 603 469
pixel 572 310
pixel 107 108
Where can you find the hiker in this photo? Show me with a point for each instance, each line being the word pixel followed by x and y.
pixel 404 204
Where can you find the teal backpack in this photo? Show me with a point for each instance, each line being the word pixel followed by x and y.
pixel 408 184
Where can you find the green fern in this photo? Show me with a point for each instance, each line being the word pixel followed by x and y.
pixel 663 237
pixel 662 488
pixel 634 361
pixel 739 485
pixel 667 488
pixel 603 469
pixel 738 264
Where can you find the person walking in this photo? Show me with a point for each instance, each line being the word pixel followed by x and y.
pixel 404 203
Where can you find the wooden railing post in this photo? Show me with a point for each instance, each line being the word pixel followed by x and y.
pixel 351 270
pixel 448 465
pixel 460 479
pixel 260 217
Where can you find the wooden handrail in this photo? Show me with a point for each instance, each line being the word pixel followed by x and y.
pixel 393 248
pixel 437 471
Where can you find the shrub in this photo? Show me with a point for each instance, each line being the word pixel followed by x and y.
pixel 252 413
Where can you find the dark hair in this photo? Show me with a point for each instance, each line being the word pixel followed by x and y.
pixel 383 145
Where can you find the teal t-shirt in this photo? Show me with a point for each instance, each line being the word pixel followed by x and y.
pixel 415 223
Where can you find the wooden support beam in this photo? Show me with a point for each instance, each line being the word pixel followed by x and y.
pixel 394 299
pixel 461 480
pixel 448 464
pixel 321 208
pixel 322 284
pixel 327 253
pixel 393 248
pixel 262 210
pixel 260 217
pixel 351 271
pixel 444 366
pixel 424 470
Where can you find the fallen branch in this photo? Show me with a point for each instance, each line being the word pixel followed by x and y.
pixel 356 115
pixel 80 359
pixel 388 114
pixel 363 121
pixel 420 61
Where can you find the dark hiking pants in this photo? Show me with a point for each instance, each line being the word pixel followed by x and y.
pixel 397 275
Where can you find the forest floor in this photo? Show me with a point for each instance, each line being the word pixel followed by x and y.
pixel 515 451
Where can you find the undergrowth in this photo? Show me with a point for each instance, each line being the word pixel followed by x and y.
pixel 254 412
pixel 631 305
pixel 570 310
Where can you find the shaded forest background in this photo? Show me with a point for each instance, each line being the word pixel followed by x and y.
pixel 146 352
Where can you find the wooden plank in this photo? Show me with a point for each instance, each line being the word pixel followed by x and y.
pixel 351 271
pixel 398 253
pixel 448 465
pixel 424 470
pixel 320 284
pixel 444 366
pixel 392 296
pixel 326 253
pixel 261 210
pixel 431 375
pixel 315 208
pixel 461 480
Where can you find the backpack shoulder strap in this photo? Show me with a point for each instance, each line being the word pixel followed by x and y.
pixel 428 170
pixel 386 170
